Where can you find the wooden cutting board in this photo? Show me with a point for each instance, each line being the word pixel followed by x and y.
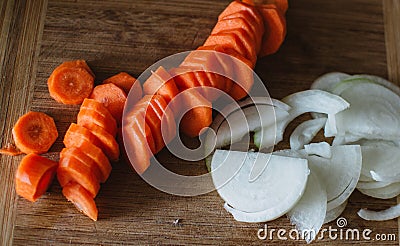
pixel 353 36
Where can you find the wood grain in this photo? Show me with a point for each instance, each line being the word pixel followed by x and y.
pixel 391 8
pixel 129 36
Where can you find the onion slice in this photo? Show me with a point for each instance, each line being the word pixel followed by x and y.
pixel 305 132
pixel 387 192
pixel 387 214
pixel 372 184
pixel 328 81
pixel 334 213
pixel 322 149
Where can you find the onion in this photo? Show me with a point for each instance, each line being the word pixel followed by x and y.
pixel 372 184
pixel 327 81
pixel 305 132
pixel 387 214
pixel 334 213
pixel 278 188
pixel 309 213
pixel 387 192
pixel 322 149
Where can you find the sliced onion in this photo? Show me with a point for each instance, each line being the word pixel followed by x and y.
pixel 327 81
pixel 322 149
pixel 309 213
pixel 334 213
pixel 276 190
pixel 387 214
pixel 372 184
pixel 387 192
pixel 305 132
pixel 364 178
pixel 380 81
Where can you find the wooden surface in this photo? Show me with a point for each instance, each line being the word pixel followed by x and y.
pixel 357 36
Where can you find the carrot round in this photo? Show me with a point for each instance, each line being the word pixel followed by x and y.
pixel 81 198
pixel 70 85
pixel 112 97
pixel 34 176
pixel 90 116
pixel 124 81
pixel 282 5
pixel 75 132
pixel 79 64
pixel 34 132
pixel 160 82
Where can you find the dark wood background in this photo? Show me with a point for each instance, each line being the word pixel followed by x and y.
pixel 353 36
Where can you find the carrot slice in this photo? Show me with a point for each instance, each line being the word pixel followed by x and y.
pixel 275 24
pixel 73 169
pixel 78 63
pixel 97 155
pixel 124 81
pixel 81 198
pixel 76 132
pixel 70 85
pixel 88 116
pixel 34 132
pixel 199 115
pixel 34 176
pixel 10 150
pixel 184 77
pixel 162 109
pixel 112 97
pixel 108 143
pixel 282 5
pixel 105 116
pixel 237 7
pixel 161 83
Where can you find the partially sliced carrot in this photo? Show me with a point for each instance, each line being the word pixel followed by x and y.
pixel 282 5
pixel 275 24
pixel 81 198
pixel 34 132
pixel 108 143
pixel 75 132
pixel 78 63
pixel 163 110
pixel 124 81
pixel 184 77
pixel 112 97
pixel 97 155
pixel 161 83
pixel 88 116
pixel 71 169
pixel 70 85
pixel 34 176
pixel 10 150
pixel 236 7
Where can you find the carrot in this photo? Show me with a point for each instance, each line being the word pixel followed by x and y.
pixel 164 111
pixel 275 24
pixel 97 155
pixel 34 132
pixel 34 176
pixel 89 116
pixel 75 132
pixel 161 83
pixel 10 150
pixel 236 7
pixel 72 169
pixel 198 113
pixel 78 63
pixel 112 97
pixel 282 5
pixel 70 85
pixel 81 198
pixel 107 142
pixel 125 82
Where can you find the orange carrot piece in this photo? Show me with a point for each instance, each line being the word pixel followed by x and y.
pixel 282 5
pixel 275 24
pixel 79 64
pixel 70 85
pixel 161 83
pixel 88 116
pixel 112 97
pixel 75 132
pixel 71 169
pixel 97 155
pixel 124 81
pixel 81 198
pixel 162 109
pixel 107 142
pixel 34 176
pixel 34 132
pixel 10 150
pixel 236 7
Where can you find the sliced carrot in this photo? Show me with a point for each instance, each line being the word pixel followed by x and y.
pixel 81 198
pixel 108 143
pixel 97 155
pixel 184 77
pixel 34 132
pixel 10 150
pixel 275 24
pixel 88 116
pixel 76 132
pixel 282 5
pixel 34 176
pixel 124 81
pixel 161 83
pixel 255 21
pixel 78 63
pixel 163 110
pixel 71 169
pixel 198 113
pixel 112 97
pixel 237 7
pixel 70 85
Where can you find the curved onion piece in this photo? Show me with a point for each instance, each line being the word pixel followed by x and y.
pixel 387 214
pixel 372 184
pixel 387 192
pixel 381 81
pixel 364 178
pixel 322 149
pixel 327 81
pixel 305 132
pixel 278 188
pixel 374 112
pixel 309 213
pixel 334 213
